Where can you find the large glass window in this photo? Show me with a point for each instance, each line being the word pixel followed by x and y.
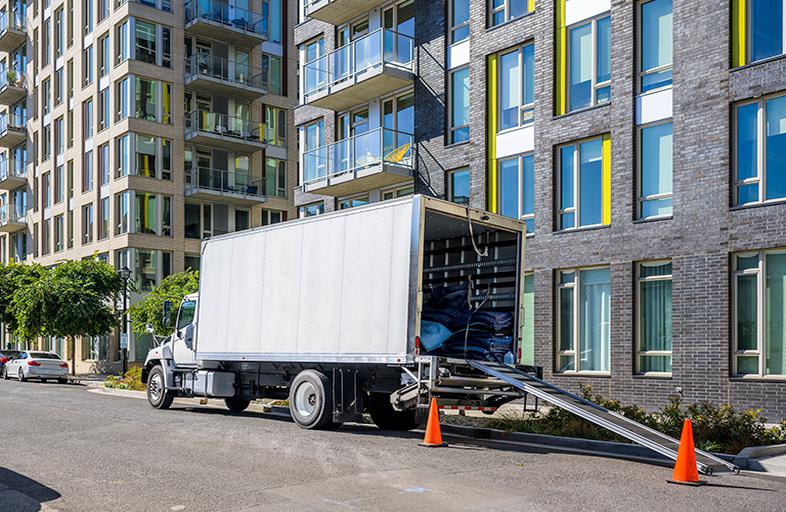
pixel 517 87
pixel 759 333
pixel 583 339
pixel 516 194
pixel 146 99
pixel 459 21
pixel 506 10
pixel 589 63
pixel 656 44
pixel 145 41
pixel 655 165
pixel 459 106
pixel 766 28
pixel 760 150
pixel 585 198
pixel 458 186
pixel 312 209
pixel 654 318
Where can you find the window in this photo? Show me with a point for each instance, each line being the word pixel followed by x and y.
pixel 655 164
pixel 87 118
pixel 191 261
pixel 275 125
pixel 760 150
pixel 270 217
pixel 143 155
pixel 46 233
pixel 122 52
pixel 122 202
pixel 59 33
pixel 271 73
pixel 146 99
pixel 46 142
pixel 103 9
pixel 145 41
pixel 103 109
pixel 759 330
pixel 59 86
pixel 459 106
pixel 59 136
pixel 506 10
pixel 458 186
pixel 516 194
pixel 656 44
pixel 59 185
pixel 206 220
pixel 148 267
pixel 766 29
pixel 46 49
pixel 87 66
pixel 87 223
pixel 46 95
pixel 589 63
pixel 46 190
pixel 275 177
pixel 528 321
pixel 87 16
pixel 653 346
pixel 87 171
pixel 103 55
pixel 312 209
pixel 459 21
pixel 398 192
pixel 103 218
pixel 70 229
pixel 583 324
pixel 123 98
pixel 352 202
pixel 585 183
pixel 103 164
pixel 517 87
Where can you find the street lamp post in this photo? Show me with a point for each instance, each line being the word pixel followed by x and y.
pixel 125 274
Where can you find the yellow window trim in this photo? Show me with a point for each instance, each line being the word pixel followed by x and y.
pixel 606 167
pixel 562 60
pixel 491 131
pixel 739 36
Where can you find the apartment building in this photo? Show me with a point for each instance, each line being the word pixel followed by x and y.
pixel 643 143
pixel 132 129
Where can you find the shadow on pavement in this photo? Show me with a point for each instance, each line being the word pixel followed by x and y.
pixel 22 494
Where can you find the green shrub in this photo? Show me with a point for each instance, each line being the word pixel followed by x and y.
pixel 716 428
pixel 131 380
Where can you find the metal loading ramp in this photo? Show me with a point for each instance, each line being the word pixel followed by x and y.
pixel 617 423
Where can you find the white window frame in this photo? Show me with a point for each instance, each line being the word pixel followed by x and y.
pixel 639 282
pixel 452 29
pixel 640 46
pixel 761 151
pixel 320 207
pixel 576 351
pixel 640 172
pixel 749 34
pixel 362 195
pixel 761 317
pixel 451 193
pixel 595 84
pixel 395 190
pixel 452 128
pixel 505 7
pixel 520 192
pixel 526 111
pixel 576 208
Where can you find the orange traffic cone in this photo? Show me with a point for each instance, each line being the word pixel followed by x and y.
pixel 685 471
pixel 433 437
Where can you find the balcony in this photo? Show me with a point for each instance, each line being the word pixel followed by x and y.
pixel 216 75
pixel 372 66
pixel 11 220
pixel 13 174
pixel 337 12
pixel 12 130
pixel 13 32
pixel 237 188
pixel 223 131
pixel 12 87
pixel 376 159
pixel 219 20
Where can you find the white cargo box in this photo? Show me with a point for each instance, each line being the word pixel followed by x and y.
pixel 340 287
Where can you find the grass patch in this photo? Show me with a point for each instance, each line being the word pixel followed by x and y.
pixel 716 428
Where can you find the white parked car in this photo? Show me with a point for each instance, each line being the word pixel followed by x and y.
pixel 36 365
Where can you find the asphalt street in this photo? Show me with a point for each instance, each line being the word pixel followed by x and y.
pixel 63 448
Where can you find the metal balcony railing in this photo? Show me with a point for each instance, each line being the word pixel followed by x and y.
pixel 15 21
pixel 226 14
pixel 227 182
pixel 12 121
pixel 12 169
pixel 359 152
pixel 11 77
pixel 381 47
pixel 149 3
pixel 11 215
pixel 222 124
pixel 226 70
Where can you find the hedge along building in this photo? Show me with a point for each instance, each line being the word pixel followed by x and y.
pixel 133 129
pixel 641 141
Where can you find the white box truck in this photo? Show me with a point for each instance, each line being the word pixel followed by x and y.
pixel 327 312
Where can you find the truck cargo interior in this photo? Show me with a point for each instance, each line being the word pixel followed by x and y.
pixel 469 289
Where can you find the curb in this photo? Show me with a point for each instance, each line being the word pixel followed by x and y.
pixel 746 458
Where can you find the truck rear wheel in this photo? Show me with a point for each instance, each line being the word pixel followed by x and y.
pixel 157 394
pixel 386 417
pixel 311 400
pixel 236 404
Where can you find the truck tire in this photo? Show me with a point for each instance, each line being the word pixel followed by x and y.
pixel 156 393
pixel 386 417
pixel 311 400
pixel 236 404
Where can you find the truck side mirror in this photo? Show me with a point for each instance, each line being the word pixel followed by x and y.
pixel 167 312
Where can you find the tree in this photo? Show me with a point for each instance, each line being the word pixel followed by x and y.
pixel 148 311
pixel 15 278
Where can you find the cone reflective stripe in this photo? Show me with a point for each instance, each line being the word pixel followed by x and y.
pixel 685 471
pixel 433 437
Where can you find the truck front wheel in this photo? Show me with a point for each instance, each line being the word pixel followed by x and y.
pixel 235 404
pixel 386 417
pixel 311 400
pixel 157 394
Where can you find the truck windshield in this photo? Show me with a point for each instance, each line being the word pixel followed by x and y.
pixel 186 316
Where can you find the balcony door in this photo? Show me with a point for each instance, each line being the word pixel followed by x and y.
pixel 399 24
pixel 398 122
